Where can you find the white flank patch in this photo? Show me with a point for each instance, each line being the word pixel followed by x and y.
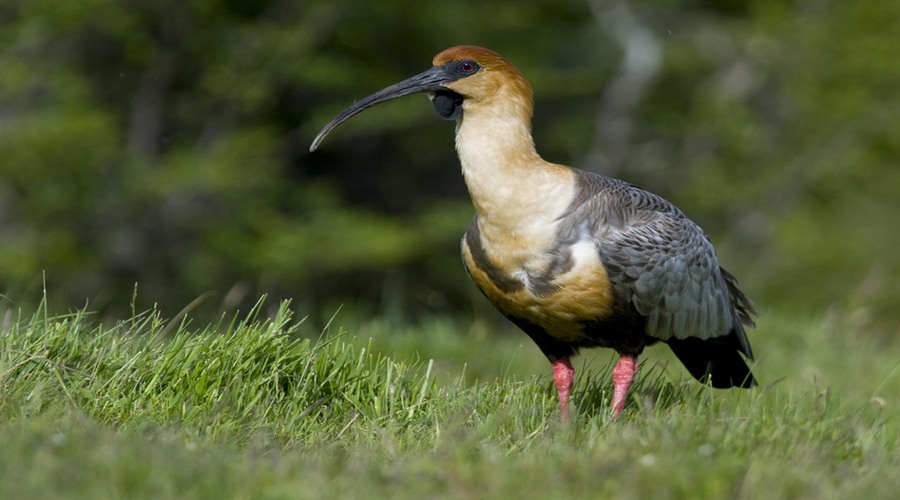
pixel 585 256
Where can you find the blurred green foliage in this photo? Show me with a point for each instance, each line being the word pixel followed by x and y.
pixel 165 143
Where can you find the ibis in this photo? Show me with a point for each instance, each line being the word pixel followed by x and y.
pixel 573 258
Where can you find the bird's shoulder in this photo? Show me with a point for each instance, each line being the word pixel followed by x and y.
pixel 616 202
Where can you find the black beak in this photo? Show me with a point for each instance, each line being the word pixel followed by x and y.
pixel 428 81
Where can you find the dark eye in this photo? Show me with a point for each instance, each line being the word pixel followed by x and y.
pixel 467 67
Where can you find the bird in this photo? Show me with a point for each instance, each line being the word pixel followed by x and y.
pixel 573 258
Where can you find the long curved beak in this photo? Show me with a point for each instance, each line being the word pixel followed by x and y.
pixel 428 81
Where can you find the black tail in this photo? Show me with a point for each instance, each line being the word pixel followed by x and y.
pixel 716 361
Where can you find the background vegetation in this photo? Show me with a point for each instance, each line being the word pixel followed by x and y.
pixel 164 144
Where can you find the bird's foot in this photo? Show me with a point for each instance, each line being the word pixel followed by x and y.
pixel 623 375
pixel 563 376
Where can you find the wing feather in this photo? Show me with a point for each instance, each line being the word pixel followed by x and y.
pixel 660 262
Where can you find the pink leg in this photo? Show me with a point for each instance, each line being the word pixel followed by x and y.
pixel 563 376
pixel 623 375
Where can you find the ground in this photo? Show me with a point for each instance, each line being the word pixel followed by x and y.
pixel 447 407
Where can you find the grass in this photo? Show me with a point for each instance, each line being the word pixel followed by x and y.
pixel 259 407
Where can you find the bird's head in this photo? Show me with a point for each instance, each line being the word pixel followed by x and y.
pixel 464 79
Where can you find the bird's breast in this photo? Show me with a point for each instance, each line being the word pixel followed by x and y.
pixel 560 287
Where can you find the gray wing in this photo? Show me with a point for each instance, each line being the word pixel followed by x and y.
pixel 661 263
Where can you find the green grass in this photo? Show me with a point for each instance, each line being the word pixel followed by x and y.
pixel 263 408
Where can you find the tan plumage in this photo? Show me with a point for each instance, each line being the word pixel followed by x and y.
pixel 573 258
